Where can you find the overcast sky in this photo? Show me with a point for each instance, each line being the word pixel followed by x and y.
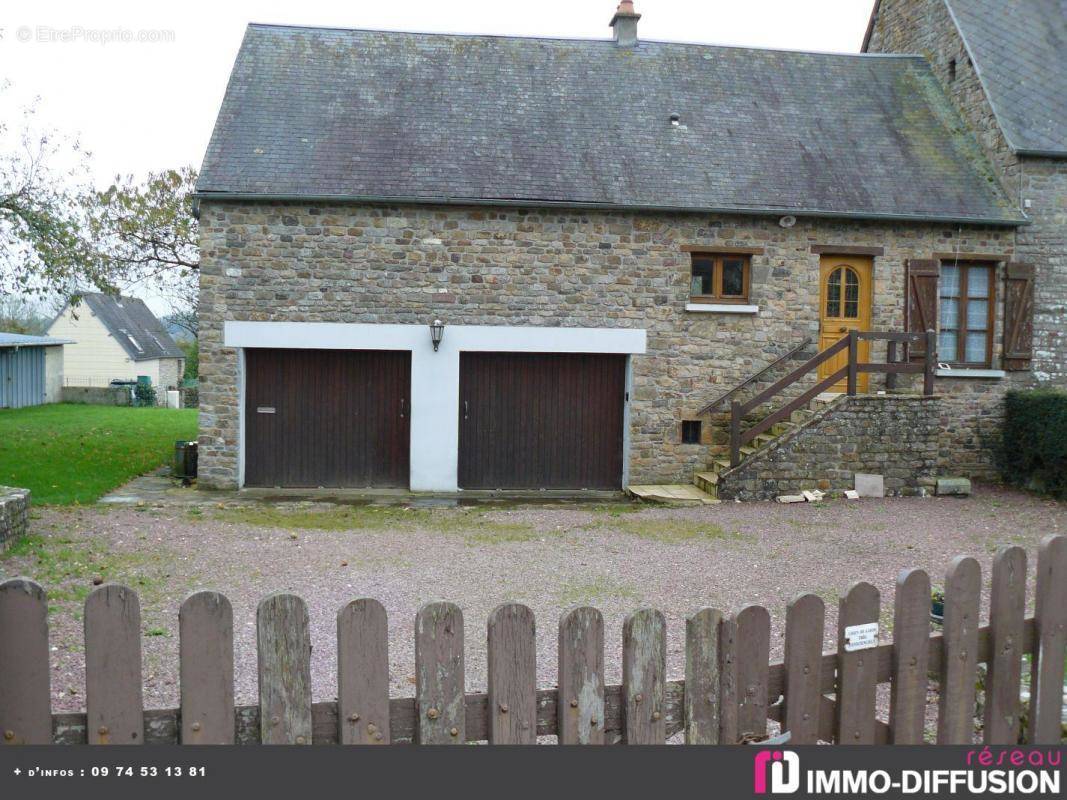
pixel 150 105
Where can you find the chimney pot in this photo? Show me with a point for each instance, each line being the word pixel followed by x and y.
pixel 624 24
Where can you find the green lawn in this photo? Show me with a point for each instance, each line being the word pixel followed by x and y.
pixel 69 453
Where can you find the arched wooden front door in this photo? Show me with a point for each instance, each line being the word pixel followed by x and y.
pixel 845 304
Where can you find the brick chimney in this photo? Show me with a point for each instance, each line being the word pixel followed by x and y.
pixel 624 23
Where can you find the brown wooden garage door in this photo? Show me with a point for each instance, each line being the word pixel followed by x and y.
pixel 541 421
pixel 327 417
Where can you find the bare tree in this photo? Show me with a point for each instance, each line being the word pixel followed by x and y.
pixel 45 245
pixel 21 315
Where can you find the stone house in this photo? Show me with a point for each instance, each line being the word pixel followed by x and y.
pixel 614 234
pixel 116 338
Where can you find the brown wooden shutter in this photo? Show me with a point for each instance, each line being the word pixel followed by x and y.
pixel 1018 316
pixel 920 304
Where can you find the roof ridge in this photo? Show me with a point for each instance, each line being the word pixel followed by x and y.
pixel 586 40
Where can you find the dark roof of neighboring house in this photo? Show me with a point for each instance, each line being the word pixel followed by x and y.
pixel 410 117
pixel 134 326
pixel 1019 50
pixel 23 340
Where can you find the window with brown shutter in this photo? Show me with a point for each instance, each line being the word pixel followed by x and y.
pixel 966 293
pixel 1018 316
pixel 920 307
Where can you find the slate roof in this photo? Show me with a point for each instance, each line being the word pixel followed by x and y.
pixel 23 340
pixel 134 326
pixel 372 115
pixel 1019 50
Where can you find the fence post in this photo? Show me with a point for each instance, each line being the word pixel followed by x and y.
pixel 891 358
pixel 911 656
pixel 804 622
pixel 728 680
pixel 857 670
pixel 959 653
pixel 644 664
pixel 114 706
pixel 580 702
pixel 283 641
pixel 702 677
pixel 512 683
pixel 363 673
pixel 440 708
pixel 929 362
pixel 853 361
pixel 25 691
pixel 753 662
pixel 735 433
pixel 205 642
pixel 1007 609
pixel 1050 619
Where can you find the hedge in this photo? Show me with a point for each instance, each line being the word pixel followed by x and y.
pixel 1034 450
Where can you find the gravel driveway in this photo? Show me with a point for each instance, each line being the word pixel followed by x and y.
pixel 614 556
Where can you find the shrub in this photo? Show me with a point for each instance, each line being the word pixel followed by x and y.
pixel 191 348
pixel 145 394
pixel 1034 450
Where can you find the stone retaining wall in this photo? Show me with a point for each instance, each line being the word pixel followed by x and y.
pixel 97 395
pixel 893 436
pixel 14 515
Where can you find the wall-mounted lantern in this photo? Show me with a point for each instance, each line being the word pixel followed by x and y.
pixel 437 333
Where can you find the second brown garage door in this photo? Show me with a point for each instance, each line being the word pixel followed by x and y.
pixel 330 418
pixel 541 421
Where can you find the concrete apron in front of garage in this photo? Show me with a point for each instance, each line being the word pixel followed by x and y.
pixel 158 488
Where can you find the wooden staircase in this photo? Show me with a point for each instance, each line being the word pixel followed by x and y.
pixel 748 437
pixel 708 480
pixel 769 412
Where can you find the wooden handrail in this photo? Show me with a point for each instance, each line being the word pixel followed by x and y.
pixel 850 373
pixel 751 378
pixel 794 376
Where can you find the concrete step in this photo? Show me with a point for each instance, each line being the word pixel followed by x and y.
pixel 825 399
pixel 720 465
pixel 672 494
pixel 707 482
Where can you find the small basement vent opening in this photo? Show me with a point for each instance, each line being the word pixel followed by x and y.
pixel 952 70
pixel 691 431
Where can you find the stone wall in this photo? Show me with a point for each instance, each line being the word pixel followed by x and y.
pixel 97 395
pixel 893 436
pixel 925 27
pixel 170 376
pixel 14 515
pixel 1044 244
pixel 536 267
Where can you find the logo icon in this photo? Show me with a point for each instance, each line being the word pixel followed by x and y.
pixel 784 771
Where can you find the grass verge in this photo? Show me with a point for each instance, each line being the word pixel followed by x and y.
pixel 67 453
pixel 476 526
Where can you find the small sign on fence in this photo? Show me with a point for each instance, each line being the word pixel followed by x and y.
pixel 861 637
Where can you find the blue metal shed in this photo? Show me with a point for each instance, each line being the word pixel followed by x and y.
pixel 22 369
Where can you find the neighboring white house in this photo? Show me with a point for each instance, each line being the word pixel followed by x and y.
pixel 116 338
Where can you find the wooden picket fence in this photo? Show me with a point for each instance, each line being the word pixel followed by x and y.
pixel 729 693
